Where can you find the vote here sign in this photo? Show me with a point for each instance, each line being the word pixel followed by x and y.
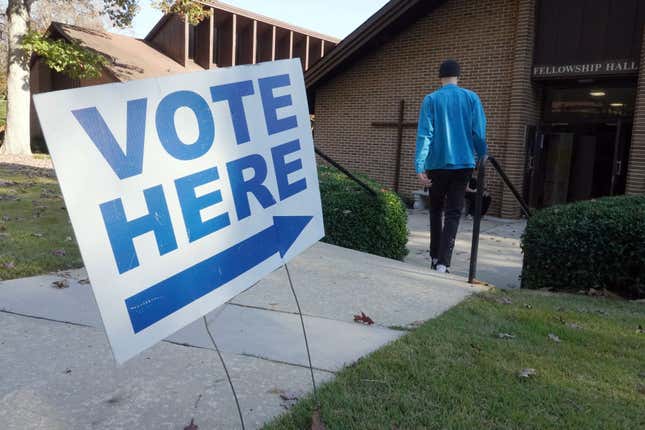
pixel 184 191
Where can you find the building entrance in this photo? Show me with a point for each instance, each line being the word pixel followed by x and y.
pixel 581 149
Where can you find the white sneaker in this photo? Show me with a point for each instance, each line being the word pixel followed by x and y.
pixel 441 268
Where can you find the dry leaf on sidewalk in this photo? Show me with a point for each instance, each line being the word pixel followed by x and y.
pixel 192 425
pixel 362 318
pixel 60 284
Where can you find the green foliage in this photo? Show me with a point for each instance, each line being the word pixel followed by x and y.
pixel 121 12
pixel 355 219
pixel 598 244
pixel 69 58
pixel 191 10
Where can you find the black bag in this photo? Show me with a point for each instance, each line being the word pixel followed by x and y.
pixel 470 199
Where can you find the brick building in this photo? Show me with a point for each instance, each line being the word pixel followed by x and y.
pixel 560 83
pixel 229 36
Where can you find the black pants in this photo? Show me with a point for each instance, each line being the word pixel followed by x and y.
pixel 446 203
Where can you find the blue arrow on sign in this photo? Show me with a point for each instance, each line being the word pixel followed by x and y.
pixel 157 302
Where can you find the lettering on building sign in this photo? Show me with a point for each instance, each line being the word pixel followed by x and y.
pixel 604 68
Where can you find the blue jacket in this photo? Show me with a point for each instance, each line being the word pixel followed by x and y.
pixel 452 129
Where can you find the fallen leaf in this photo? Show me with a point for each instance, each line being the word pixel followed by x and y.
pixel 60 284
pixel 67 371
pixel 505 336
pixel 9 265
pixel 554 338
pixel 192 425
pixel 316 421
pixel 593 292
pixel 289 398
pixel 527 373
pixel 478 282
pixel 59 252
pixel 37 234
pixel 416 324
pixel 364 319
pixel 286 395
pixel 84 281
pixel 505 301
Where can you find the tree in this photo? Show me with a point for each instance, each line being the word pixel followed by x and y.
pixel 60 56
pixel 16 139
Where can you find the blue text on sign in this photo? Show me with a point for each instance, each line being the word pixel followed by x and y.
pixel 129 163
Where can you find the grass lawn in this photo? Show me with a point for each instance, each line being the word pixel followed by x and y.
pixel 35 233
pixel 455 372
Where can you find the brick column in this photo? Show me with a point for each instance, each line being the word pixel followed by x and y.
pixel 522 105
pixel 636 165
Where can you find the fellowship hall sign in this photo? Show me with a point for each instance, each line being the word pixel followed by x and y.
pixel 621 67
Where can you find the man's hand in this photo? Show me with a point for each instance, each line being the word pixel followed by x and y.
pixel 423 178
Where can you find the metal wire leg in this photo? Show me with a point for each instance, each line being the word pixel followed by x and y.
pixel 228 376
pixel 304 333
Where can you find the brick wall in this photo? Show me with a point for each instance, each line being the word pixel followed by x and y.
pixel 523 106
pixel 481 36
pixel 636 167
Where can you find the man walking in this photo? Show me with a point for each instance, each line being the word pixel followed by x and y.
pixel 452 129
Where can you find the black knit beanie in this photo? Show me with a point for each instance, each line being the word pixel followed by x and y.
pixel 449 68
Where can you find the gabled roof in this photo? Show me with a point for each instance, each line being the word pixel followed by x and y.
pixel 248 14
pixel 130 58
pixel 381 27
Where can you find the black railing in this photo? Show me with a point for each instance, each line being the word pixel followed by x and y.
pixel 477 216
pixel 328 159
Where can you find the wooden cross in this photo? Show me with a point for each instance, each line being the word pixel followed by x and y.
pixel 400 125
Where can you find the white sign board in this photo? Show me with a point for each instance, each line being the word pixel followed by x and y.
pixel 184 191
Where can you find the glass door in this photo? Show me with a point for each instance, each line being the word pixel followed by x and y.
pixel 581 149
pixel 622 141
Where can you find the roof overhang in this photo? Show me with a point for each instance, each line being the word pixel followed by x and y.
pixel 251 15
pixel 381 27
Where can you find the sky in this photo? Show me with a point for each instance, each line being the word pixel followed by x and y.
pixel 335 18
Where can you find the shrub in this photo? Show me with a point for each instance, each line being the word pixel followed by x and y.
pixel 356 219
pixel 598 243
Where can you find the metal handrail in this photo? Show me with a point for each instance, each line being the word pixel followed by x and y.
pixel 477 216
pixel 347 173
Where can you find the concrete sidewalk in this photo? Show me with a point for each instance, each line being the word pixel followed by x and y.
pixel 58 373
pixel 499 262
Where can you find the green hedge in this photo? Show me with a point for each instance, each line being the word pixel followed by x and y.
pixel 592 244
pixel 355 219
